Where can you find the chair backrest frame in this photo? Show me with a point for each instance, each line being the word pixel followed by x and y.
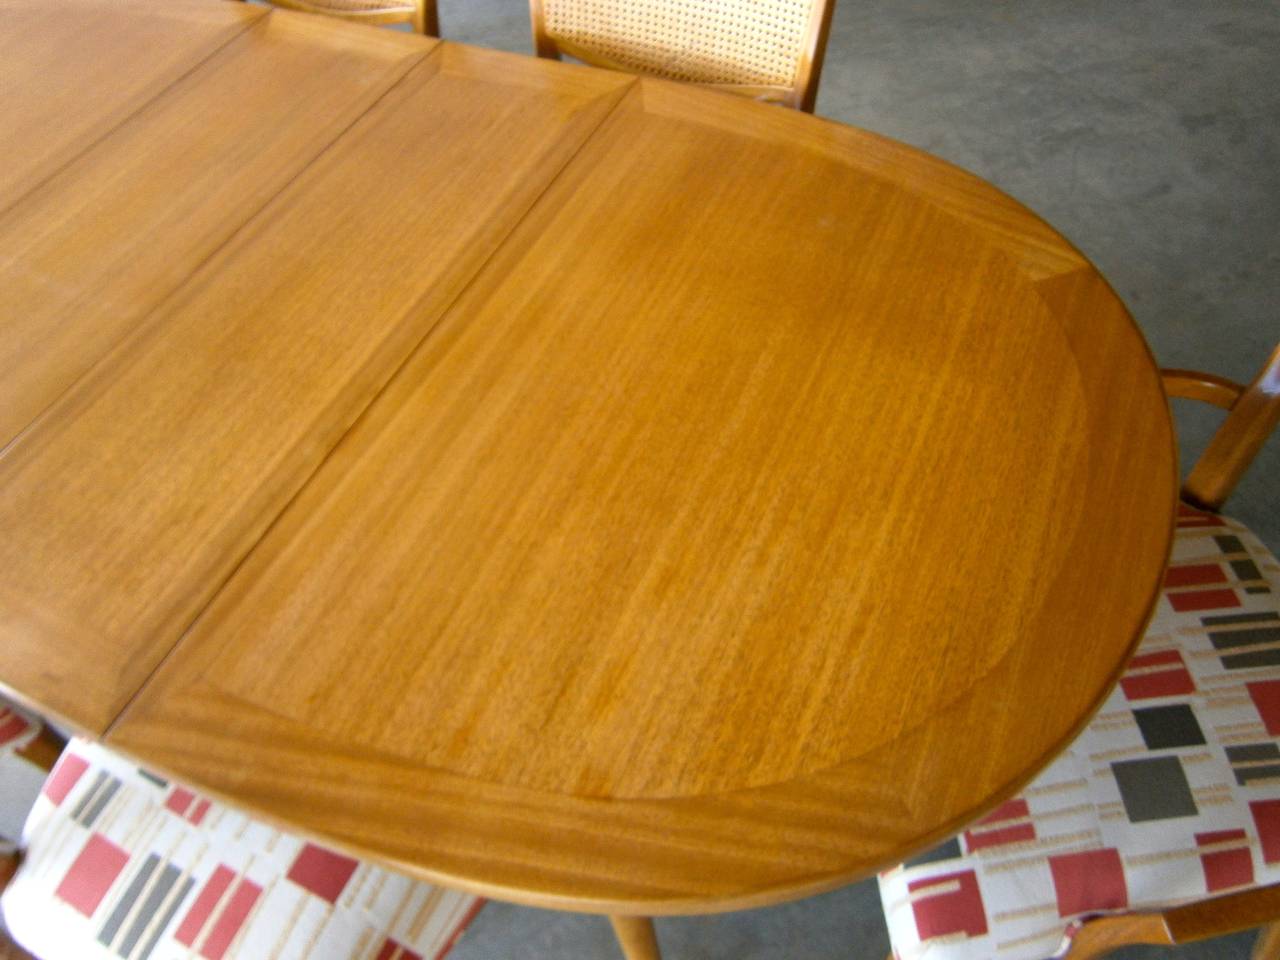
pixel 1253 412
pixel 425 18
pixel 802 94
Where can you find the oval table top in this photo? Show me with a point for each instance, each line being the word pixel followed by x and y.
pixel 588 491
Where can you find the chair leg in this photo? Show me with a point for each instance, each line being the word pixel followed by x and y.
pixel 636 936
pixel 1267 946
pixel 1100 936
pixel 426 18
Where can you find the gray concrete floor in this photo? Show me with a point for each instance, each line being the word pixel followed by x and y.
pixel 1147 132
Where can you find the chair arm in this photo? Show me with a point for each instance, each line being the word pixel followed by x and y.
pixel 44 750
pixel 1194 385
pixel 1252 416
pixel 1223 915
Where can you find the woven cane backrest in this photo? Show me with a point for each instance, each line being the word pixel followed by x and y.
pixel 764 44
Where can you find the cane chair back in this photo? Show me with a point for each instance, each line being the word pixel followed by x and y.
pixel 770 51
pixel 421 14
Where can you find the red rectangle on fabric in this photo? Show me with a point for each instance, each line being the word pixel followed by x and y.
pixel 199 913
pixel 1194 575
pixel 232 919
pixel 389 950
pixel 1203 600
pixel 1014 809
pixel 1189 517
pixel 1227 869
pixel 198 812
pixel 12 726
pixel 1265 695
pixel 1166 683
pixel 981 840
pixel 955 911
pixel 65 776
pixel 322 871
pixel 1266 817
pixel 92 874
pixel 1089 881
pixel 1158 659
pixel 179 800
pixel 1220 836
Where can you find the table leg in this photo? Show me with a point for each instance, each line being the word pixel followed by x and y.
pixel 637 938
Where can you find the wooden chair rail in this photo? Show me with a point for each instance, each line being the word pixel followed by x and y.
pixel 1195 385
pixel 1196 921
pixel 425 18
pixel 1253 414
pixel 1223 915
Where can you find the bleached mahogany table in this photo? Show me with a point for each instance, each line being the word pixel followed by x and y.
pixel 591 492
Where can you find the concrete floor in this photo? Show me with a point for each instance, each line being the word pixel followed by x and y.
pixel 1148 133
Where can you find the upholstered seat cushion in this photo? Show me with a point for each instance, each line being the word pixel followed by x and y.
pixel 120 863
pixel 1171 795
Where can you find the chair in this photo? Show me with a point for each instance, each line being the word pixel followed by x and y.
pixel 771 51
pixel 422 14
pixel 1161 822
pixel 118 862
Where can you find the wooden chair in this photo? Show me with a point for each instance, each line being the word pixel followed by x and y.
pixel 1220 579
pixel 422 14
pixel 121 862
pixel 770 51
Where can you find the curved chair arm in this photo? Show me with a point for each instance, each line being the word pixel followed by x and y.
pixel 1223 915
pixel 1195 921
pixel 1253 414
pixel 1195 385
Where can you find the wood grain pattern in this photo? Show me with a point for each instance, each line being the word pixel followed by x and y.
pixel 71 77
pixel 762 467
pixel 144 485
pixel 90 253
pixel 1217 916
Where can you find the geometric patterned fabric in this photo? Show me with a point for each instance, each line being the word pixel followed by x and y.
pixel 1171 795
pixel 122 864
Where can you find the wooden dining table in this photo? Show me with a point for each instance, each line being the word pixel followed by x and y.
pixel 588 491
